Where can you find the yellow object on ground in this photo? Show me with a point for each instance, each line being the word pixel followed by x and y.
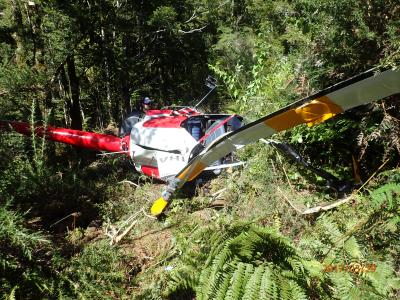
pixel 158 206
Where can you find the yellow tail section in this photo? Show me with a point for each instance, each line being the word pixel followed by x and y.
pixel 158 206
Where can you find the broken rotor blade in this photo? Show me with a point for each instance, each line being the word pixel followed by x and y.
pixel 358 90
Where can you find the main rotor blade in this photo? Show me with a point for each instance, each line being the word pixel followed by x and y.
pixel 361 89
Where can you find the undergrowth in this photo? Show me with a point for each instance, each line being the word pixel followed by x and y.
pixel 254 243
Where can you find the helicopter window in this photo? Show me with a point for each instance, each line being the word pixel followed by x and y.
pixel 215 134
pixel 195 128
pixel 234 124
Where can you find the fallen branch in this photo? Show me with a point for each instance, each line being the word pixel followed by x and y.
pixel 327 207
pixel 74 214
pixel 113 235
pixel 218 193
pixel 130 182
pixel 147 215
pixel 119 237
pixel 288 201
pixel 351 197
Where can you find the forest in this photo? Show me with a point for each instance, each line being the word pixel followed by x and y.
pixel 85 64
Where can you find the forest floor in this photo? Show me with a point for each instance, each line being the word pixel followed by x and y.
pixel 105 244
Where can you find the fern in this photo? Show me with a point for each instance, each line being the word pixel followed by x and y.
pixel 184 279
pixel 11 296
pixel 388 194
pixel 383 280
pixel 220 290
pixel 248 265
pixel 342 285
pixel 291 290
pixel 246 261
pixel 352 247
pixel 237 282
pixel 340 241
pixel 268 287
pixel 252 289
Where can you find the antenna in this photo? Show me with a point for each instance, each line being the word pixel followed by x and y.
pixel 211 83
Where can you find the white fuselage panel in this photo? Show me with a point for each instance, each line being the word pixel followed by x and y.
pixel 168 149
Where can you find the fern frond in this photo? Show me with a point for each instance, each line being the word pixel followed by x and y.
pixel 295 291
pixel 352 247
pixel 296 264
pixel 237 282
pixel 221 286
pixel 252 288
pixel 201 289
pixel 248 272
pixel 385 194
pixel 268 288
pixel 183 278
pixel 11 296
pixel 383 279
pixel 342 284
pixel 332 232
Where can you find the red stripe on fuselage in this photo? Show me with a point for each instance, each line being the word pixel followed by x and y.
pixel 150 171
pixel 154 112
pixel 165 122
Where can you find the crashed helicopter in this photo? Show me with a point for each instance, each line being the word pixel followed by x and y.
pixel 160 143
pixel 178 144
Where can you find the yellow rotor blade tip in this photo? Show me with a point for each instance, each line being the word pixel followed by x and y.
pixel 158 206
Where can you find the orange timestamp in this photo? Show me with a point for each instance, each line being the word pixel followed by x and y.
pixel 356 268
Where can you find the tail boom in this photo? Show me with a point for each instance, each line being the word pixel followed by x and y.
pixel 78 138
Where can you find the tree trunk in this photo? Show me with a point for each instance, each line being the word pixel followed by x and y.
pixel 75 111
pixel 63 87
pixel 104 45
pixel 18 33
pixel 34 16
pixel 125 80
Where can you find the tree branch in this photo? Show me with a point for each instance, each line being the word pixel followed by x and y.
pixel 193 30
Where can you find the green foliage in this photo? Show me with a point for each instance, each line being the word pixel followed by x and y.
pixel 388 194
pixel 333 259
pixel 344 238
pixel 163 17
pixel 265 54
pixel 96 272
pixel 21 250
pixel 247 262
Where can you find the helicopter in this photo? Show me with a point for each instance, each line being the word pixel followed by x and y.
pixel 177 144
pixel 159 143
